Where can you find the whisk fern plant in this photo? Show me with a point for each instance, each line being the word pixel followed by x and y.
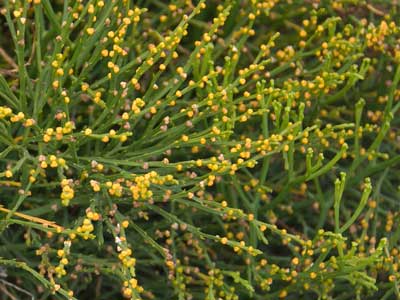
pixel 241 149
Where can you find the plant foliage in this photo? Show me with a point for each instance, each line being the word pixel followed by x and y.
pixel 239 149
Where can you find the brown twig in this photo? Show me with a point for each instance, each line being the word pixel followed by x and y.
pixel 10 72
pixel 8 58
pixel 4 290
pixel 375 10
pixel 6 283
pixel 33 219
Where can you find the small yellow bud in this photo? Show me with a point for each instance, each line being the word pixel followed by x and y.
pixel 90 31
